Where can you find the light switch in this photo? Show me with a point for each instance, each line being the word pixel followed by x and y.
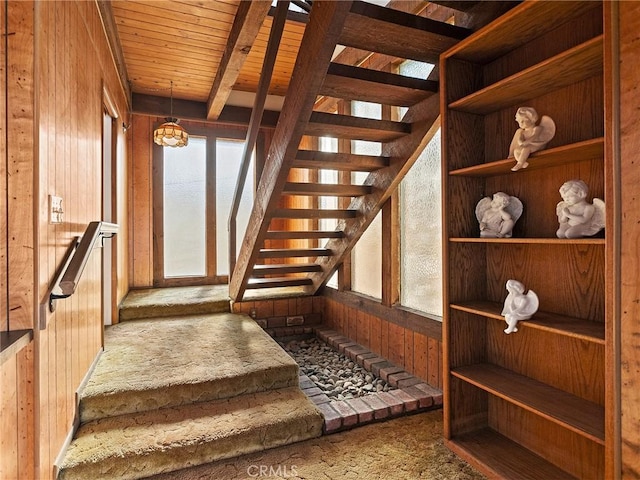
pixel 56 212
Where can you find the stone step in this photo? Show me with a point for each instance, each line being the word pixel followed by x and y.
pixel 150 443
pixel 160 363
pixel 167 302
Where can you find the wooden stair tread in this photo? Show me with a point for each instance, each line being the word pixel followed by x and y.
pixel 293 252
pixel 377 29
pixel 278 282
pixel 581 416
pixel 282 268
pixel 313 213
pixel 303 234
pixel 339 161
pixel 356 128
pixel 356 83
pixel 325 189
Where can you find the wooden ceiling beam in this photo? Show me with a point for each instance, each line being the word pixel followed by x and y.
pixel 155 106
pixel 244 31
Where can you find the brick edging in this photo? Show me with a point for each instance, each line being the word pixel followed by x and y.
pixel 411 395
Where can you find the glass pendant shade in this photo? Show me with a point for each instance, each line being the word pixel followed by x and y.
pixel 170 134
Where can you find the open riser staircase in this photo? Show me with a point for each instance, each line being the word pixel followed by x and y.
pixel 362 26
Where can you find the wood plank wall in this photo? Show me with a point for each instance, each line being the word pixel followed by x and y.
pixel 409 340
pixel 17 424
pixel 59 64
pixel 141 202
pixel 280 308
pixel 629 174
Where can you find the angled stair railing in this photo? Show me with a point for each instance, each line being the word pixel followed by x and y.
pixel 351 24
pixel 277 27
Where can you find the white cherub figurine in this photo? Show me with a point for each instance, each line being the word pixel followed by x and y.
pixel 518 306
pixel 497 216
pixel 530 137
pixel 577 217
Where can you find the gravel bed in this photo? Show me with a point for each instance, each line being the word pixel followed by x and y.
pixel 336 375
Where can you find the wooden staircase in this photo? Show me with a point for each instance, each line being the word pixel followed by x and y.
pixel 363 26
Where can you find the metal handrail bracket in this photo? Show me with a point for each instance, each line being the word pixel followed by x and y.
pixel 76 259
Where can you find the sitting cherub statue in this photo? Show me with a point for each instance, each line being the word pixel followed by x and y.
pixel 530 137
pixel 518 306
pixel 577 217
pixel 497 216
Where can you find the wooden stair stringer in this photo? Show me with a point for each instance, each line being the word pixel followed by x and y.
pixel 321 36
pixel 425 120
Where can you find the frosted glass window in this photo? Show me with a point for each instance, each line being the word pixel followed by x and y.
pixel 228 160
pixel 415 69
pixel 185 196
pixel 366 256
pixel 421 230
pixel 328 144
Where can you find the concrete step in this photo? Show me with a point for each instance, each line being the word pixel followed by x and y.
pixel 167 302
pixel 149 443
pixel 167 362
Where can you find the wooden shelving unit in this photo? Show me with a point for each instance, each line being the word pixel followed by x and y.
pixel 530 404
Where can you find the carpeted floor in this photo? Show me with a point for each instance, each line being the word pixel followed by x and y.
pixel 406 448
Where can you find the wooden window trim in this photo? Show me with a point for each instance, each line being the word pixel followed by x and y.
pixel 211 277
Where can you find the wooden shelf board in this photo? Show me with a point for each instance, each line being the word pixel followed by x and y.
pixel 578 415
pixel 12 341
pixel 562 155
pixel 521 24
pixel 549 322
pixel 531 241
pixel 571 66
pixel 500 457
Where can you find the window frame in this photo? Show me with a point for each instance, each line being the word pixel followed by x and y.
pixel 212 135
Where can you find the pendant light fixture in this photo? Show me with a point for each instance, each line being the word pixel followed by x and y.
pixel 170 134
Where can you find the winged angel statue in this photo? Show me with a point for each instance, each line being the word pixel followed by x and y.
pixel 518 305
pixel 577 217
pixel 497 216
pixel 530 137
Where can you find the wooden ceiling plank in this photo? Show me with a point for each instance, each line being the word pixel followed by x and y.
pixel 165 13
pixel 177 31
pixel 194 59
pixel 160 41
pixel 245 28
